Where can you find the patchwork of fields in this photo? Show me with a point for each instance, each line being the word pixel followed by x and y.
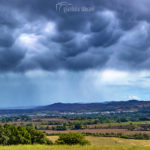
pixel 102 132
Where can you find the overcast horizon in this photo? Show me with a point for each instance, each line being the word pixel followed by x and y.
pixel 73 51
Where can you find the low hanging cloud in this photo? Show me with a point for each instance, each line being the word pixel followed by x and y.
pixel 34 35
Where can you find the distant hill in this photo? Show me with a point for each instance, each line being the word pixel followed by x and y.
pixel 131 105
pixel 121 106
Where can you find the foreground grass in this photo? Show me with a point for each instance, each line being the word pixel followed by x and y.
pixel 77 147
pixel 116 142
pixel 97 143
pixel 111 141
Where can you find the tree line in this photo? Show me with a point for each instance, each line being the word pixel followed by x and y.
pixel 13 135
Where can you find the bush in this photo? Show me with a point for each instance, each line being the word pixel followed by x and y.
pixel 72 139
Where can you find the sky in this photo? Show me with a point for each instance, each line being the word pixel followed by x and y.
pixel 73 51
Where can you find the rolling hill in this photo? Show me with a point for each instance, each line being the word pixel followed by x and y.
pixel 118 106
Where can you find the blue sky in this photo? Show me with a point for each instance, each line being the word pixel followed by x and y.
pixel 58 53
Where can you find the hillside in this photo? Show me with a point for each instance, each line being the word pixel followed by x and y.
pixel 119 106
pixel 131 105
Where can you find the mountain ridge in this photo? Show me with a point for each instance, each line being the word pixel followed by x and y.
pixel 116 106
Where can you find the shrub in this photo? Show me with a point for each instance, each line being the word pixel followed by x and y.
pixel 72 139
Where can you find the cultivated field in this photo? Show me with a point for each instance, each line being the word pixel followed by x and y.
pixel 123 131
pixel 97 143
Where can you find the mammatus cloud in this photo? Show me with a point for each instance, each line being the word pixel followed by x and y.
pixel 36 36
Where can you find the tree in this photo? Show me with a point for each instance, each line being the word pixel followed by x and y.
pixel 12 135
pixel 78 126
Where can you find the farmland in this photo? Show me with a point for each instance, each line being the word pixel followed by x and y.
pixel 106 131
pixel 84 124
pixel 120 131
pixel 123 131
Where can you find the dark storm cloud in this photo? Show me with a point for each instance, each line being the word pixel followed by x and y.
pixel 10 58
pixel 33 35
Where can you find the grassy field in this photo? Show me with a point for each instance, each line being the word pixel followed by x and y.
pixel 97 143
pixel 128 123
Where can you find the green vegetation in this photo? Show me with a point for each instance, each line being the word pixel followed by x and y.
pixel 81 121
pixel 59 128
pixel 120 135
pixel 12 135
pixel 72 139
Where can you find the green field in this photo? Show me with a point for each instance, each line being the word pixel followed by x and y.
pixel 97 143
pixel 128 123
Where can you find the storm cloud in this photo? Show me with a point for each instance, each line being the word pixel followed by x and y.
pixel 34 35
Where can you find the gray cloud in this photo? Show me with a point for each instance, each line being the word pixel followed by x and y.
pixel 36 36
